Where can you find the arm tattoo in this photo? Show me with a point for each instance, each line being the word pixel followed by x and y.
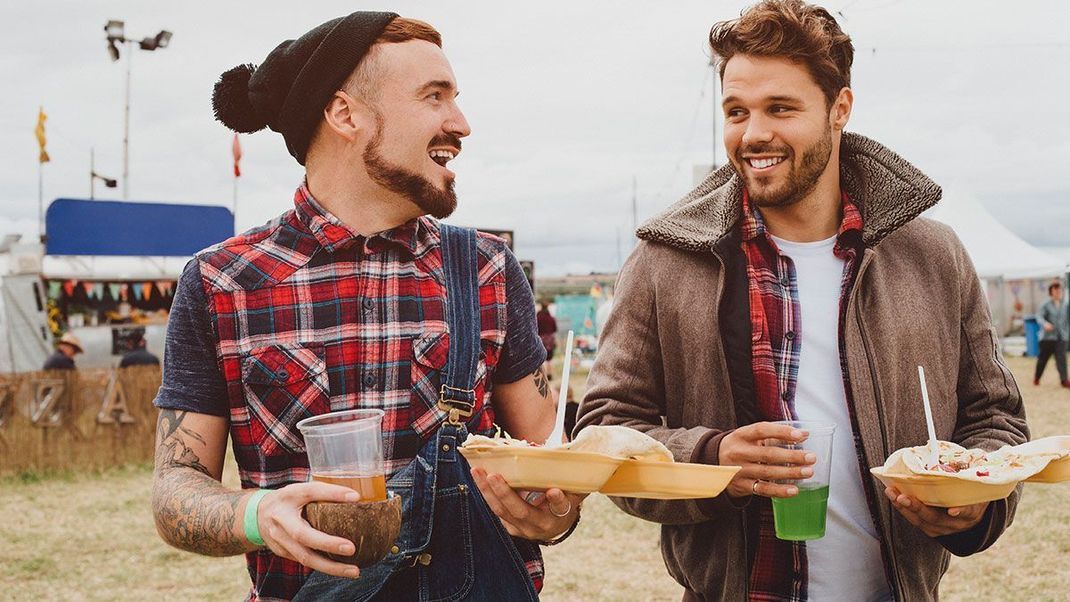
pixel 193 510
pixel 541 383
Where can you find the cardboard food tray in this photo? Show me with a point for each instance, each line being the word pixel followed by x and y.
pixel 1057 471
pixel 668 480
pixel 540 468
pixel 944 492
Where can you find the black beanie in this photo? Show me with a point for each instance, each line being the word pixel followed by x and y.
pixel 289 90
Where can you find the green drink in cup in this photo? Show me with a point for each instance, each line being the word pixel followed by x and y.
pixel 802 517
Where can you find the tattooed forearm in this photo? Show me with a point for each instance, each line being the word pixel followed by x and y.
pixel 541 383
pixel 193 510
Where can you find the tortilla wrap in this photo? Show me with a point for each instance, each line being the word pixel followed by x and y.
pixel 1006 465
pixel 615 441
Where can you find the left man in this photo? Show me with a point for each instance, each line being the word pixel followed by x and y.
pixel 67 347
pixel 356 298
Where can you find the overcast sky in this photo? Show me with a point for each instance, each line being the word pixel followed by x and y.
pixel 568 102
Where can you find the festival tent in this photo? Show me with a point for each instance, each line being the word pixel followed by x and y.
pixel 996 251
pixel 106 273
pixel 1013 272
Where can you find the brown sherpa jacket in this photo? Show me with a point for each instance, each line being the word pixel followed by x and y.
pixel 674 362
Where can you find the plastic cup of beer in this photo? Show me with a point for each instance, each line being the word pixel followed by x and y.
pixel 346 448
pixel 802 517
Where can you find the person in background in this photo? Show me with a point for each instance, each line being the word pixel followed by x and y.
pixel 67 347
pixel 139 355
pixel 548 334
pixel 1054 319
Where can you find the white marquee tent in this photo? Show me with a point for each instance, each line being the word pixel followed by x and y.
pixel 996 251
pixel 1015 274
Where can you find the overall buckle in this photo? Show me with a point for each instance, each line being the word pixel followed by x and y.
pixel 459 410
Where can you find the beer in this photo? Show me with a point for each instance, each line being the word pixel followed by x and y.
pixel 372 488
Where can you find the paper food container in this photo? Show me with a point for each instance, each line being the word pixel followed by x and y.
pixel 539 468
pixel 668 480
pixel 1057 471
pixel 943 492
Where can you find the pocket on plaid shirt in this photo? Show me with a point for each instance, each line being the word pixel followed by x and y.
pixel 284 384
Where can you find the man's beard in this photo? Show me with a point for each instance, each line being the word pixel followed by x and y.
pixel 419 190
pixel 800 180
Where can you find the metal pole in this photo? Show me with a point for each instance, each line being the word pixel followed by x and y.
pixel 40 200
pixel 126 124
pixel 713 65
pixel 635 206
pixel 234 205
pixel 619 263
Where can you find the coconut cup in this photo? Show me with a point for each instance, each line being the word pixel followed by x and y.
pixel 373 527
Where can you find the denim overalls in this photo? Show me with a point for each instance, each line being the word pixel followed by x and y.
pixel 451 547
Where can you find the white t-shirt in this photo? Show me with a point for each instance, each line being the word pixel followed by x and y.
pixel 845 564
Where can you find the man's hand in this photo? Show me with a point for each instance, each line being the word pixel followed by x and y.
pixel 762 464
pixel 288 534
pixel 933 521
pixel 550 516
pixel 1048 327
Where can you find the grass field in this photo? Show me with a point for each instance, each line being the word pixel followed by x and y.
pixel 91 537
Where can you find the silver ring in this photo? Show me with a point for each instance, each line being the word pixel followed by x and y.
pixel 563 514
pixel 754 487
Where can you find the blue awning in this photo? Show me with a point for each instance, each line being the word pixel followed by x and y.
pixel 85 227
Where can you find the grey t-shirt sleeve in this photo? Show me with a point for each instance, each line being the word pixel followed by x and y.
pixel 523 352
pixel 191 377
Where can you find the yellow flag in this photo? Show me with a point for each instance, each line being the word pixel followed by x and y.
pixel 39 131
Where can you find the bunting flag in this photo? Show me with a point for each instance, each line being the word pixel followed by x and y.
pixel 136 288
pixel 235 149
pixel 146 290
pixel 98 290
pixel 39 131
pixel 87 287
pixel 164 286
pixel 124 291
pixel 68 287
pixel 54 287
pixel 114 290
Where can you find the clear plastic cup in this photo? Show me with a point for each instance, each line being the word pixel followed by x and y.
pixel 802 517
pixel 346 448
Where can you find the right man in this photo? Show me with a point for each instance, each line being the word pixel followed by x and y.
pixel 799 282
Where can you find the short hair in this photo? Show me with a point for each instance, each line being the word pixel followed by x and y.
pixel 792 29
pixel 361 81
pixel 1054 285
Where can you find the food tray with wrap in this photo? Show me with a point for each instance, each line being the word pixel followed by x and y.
pixel 614 460
pixel 972 476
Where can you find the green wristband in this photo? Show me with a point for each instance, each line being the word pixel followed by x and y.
pixel 252 529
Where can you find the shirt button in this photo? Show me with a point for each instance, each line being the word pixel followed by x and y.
pixel 786 396
pixel 368 305
pixel 282 374
pixel 785 282
pixel 369 379
pixel 789 335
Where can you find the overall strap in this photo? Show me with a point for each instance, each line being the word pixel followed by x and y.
pixel 457 395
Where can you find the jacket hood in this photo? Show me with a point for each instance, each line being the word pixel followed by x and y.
pixel 888 190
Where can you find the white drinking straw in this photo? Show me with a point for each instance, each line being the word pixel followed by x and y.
pixel 934 446
pixel 556 436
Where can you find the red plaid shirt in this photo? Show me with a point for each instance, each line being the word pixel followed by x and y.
pixel 309 317
pixel 779 572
